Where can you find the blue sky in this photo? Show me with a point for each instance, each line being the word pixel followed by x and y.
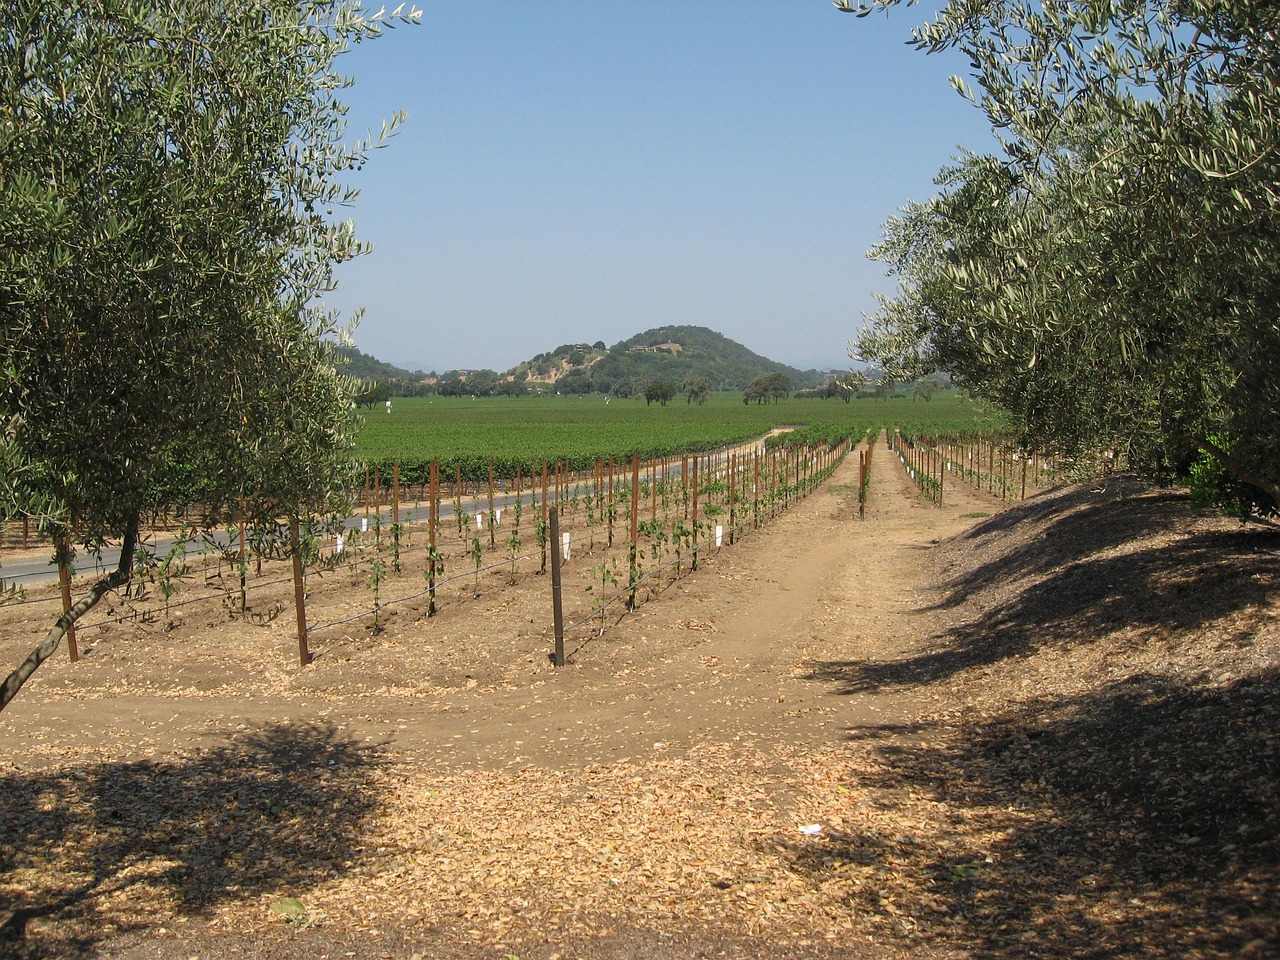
pixel 582 170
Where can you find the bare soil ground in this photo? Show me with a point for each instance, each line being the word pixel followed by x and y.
pixel 1047 730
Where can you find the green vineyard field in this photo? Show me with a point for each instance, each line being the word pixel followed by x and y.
pixel 468 434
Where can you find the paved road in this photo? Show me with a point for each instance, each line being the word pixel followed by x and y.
pixel 37 568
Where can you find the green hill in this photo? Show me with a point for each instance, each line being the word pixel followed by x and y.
pixel 671 353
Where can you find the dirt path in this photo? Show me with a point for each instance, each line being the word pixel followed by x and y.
pixel 646 798
pixel 727 657
pixel 721 654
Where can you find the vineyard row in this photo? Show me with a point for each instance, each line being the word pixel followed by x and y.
pixel 638 522
pixel 986 463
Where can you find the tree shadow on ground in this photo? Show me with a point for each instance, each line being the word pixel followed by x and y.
pixel 1074 522
pixel 1137 817
pixel 1140 820
pixel 92 851
pixel 1183 584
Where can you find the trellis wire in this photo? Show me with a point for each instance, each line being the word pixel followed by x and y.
pixel 421 593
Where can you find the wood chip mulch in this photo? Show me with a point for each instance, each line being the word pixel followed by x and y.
pixel 1092 770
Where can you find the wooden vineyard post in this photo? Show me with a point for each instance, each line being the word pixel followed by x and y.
pixel 545 528
pixel 433 517
pixel 862 484
pixel 942 474
pixel 694 566
pixel 593 496
pixel 395 493
pixel 784 480
pixel 395 516
pixel 64 581
pixel 492 531
pixel 366 491
pixel 557 610
pixel 866 479
pixel 940 466
pixel 684 484
pixel 772 472
pixel 666 489
pixel 653 489
pixel 457 497
pixel 299 592
pixel 782 473
pixel 609 508
pixel 242 564
pixel 733 465
pixel 755 489
pixel 771 482
pixel 633 550
pixel 377 490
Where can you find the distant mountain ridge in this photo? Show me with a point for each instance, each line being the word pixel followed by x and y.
pixel 672 352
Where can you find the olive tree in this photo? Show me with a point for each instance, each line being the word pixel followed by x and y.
pixel 660 390
pixel 169 187
pixel 1111 277
pixel 767 387
pixel 696 389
